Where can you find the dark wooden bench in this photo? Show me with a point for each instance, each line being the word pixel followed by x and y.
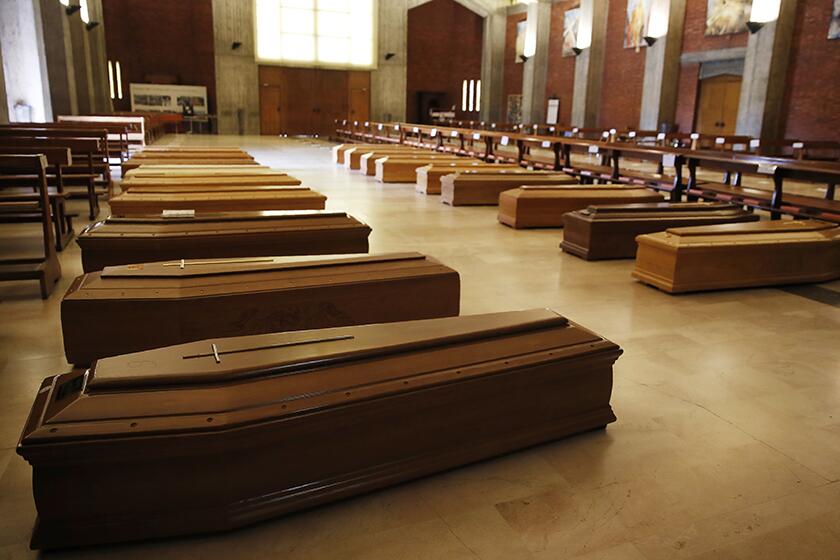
pixel 45 269
pixel 85 171
pixel 12 184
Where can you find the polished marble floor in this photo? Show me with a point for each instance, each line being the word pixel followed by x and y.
pixel 727 444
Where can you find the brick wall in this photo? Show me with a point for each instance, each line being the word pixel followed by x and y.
pixel 512 83
pixel 813 88
pixel 444 48
pixel 560 81
pixel 624 70
pixel 161 37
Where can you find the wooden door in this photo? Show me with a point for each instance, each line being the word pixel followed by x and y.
pixel 330 101
pixel 271 95
pixel 358 83
pixel 717 108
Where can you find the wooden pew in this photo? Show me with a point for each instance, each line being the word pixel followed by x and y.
pixel 117 135
pixel 610 231
pixel 727 256
pixel 478 188
pixel 133 203
pixel 46 269
pixel 208 428
pixel 137 307
pixel 80 172
pixel 57 159
pixel 126 240
pixel 90 167
pixel 403 169
pixel 134 124
pixel 535 206
pixel 428 176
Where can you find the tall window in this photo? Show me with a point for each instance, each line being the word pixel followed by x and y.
pixel 471 96
pixel 335 33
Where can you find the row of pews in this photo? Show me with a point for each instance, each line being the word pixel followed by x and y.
pixel 679 246
pixel 770 183
pixel 233 363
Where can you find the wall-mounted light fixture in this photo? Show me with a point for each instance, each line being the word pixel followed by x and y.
pixel 235 45
pixel 390 55
pixel 523 58
pixel 763 12
pixel 91 25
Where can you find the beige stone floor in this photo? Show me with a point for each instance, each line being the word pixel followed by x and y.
pixel 727 443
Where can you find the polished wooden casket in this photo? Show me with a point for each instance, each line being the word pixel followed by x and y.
pixel 537 206
pixel 253 199
pixel 209 183
pixel 353 156
pixel 609 232
pixel 428 176
pixel 468 188
pixel 197 170
pixel 128 240
pixel 403 169
pixel 367 161
pixel 217 434
pixel 135 307
pixel 184 159
pixel 739 255
pixel 338 151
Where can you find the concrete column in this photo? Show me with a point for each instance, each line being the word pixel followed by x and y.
pixel 58 48
pixel 389 81
pixel 97 59
pixel 662 70
pixel 237 74
pixel 535 69
pixel 589 66
pixel 765 69
pixel 4 105
pixel 24 64
pixel 493 67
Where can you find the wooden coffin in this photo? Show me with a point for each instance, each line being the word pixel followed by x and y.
pixel 221 188
pixel 467 188
pixel 212 435
pixel 403 169
pixel 609 232
pixel 134 163
pixel 428 176
pixel 255 199
pixel 198 170
pixel 167 153
pixel 136 307
pixel 339 151
pixel 535 206
pixel 739 255
pixel 140 239
pixel 367 161
pixel 262 179
pixel 353 156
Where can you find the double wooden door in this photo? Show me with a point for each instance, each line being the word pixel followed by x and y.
pixel 309 100
pixel 717 108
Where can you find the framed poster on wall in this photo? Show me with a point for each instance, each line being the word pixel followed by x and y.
pixel 168 98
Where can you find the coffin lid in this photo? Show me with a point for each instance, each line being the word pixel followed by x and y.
pixel 269 355
pixel 191 268
pixel 211 217
pixel 752 228
pixel 580 187
pixel 658 207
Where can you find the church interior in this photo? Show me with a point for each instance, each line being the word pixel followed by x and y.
pixel 420 279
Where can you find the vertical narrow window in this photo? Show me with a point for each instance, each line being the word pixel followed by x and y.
pixel 464 96
pixel 472 95
pixel 84 13
pixel 111 79
pixel 119 81
pixel 478 95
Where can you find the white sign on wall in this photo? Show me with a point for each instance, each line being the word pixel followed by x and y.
pixel 168 98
